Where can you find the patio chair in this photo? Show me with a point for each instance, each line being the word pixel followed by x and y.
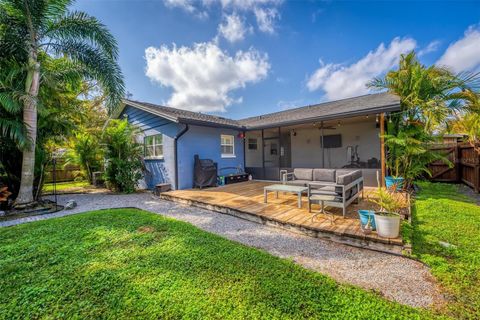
pixel 340 194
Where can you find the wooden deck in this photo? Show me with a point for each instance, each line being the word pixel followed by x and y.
pixel 245 200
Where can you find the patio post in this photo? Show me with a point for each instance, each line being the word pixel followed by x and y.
pixel 382 148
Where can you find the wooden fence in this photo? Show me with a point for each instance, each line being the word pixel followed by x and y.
pixel 466 160
pixel 63 173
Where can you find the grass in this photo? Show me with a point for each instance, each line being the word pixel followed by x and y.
pixel 127 263
pixel 442 213
pixel 65 186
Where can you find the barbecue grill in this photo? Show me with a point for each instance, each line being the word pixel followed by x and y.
pixel 205 173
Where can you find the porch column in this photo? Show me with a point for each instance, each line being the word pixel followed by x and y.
pixel 382 149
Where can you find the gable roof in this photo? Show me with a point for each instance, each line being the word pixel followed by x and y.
pixel 362 105
pixel 181 116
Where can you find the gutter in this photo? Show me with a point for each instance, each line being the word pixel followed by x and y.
pixel 175 152
pixel 343 115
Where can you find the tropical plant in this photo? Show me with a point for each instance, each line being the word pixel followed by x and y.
pixel 123 154
pixel 428 95
pixel 85 151
pixel 388 201
pixel 32 28
pixel 410 153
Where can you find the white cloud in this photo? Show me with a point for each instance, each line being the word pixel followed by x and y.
pixel 290 104
pixel 265 11
pixel 203 76
pixel 339 81
pixel 233 28
pixel 464 54
pixel 431 47
pixel 188 6
pixel 266 18
pixel 184 4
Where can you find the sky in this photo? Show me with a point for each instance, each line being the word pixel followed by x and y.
pixel 239 58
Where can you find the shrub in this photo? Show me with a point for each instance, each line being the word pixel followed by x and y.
pixel 123 156
pixel 84 150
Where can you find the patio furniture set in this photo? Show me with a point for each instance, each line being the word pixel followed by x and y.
pixel 327 187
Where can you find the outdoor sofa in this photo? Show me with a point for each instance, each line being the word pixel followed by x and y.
pixel 332 187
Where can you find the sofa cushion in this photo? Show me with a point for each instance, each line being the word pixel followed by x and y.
pixel 299 182
pixel 302 174
pixel 324 175
pixel 344 179
pixel 337 190
pixel 355 173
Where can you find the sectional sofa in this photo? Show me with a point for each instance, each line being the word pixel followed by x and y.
pixel 330 187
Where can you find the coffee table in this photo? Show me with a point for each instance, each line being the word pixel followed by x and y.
pixel 284 188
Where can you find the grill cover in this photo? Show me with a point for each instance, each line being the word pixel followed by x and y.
pixel 205 173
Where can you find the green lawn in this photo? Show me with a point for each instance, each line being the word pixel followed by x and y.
pixel 65 186
pixel 443 214
pixel 134 264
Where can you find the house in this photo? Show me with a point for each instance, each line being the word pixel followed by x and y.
pixel 337 134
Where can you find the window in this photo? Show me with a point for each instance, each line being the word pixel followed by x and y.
pixel 252 143
pixel 227 146
pixel 153 146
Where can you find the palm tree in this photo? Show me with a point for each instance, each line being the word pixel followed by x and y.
pixel 428 95
pixel 31 28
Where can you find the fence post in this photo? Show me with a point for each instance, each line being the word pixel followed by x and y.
pixel 458 162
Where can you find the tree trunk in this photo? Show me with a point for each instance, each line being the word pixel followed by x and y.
pixel 32 85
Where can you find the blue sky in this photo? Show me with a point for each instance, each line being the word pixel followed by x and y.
pixel 238 58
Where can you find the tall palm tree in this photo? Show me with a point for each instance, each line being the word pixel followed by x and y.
pixel 30 28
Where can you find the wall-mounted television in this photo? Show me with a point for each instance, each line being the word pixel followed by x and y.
pixel 332 141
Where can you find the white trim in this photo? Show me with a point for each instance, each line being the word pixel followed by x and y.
pixel 227 136
pixel 153 146
pixel 153 158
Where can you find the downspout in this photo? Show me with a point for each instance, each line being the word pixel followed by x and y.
pixel 175 152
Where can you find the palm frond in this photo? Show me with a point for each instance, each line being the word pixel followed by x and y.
pixel 98 66
pixel 78 26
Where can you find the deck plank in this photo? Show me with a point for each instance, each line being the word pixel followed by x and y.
pixel 248 197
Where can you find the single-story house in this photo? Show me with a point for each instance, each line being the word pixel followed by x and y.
pixel 337 134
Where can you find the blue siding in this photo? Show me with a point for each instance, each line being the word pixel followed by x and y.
pixel 158 170
pixel 205 141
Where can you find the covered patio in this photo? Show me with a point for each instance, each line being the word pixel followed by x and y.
pixel 246 200
pixel 343 134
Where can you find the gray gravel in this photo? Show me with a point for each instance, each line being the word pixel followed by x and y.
pixel 403 280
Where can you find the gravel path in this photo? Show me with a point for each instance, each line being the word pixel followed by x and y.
pixel 396 278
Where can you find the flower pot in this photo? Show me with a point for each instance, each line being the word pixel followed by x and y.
pixel 390 182
pixel 364 215
pixel 388 224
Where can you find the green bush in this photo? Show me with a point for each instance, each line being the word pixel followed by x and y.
pixel 84 150
pixel 123 156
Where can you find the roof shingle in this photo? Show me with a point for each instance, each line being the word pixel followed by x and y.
pixel 367 104
pixel 371 103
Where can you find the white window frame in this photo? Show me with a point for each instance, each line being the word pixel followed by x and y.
pixel 154 145
pixel 228 136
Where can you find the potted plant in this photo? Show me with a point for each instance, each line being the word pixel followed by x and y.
pixel 387 219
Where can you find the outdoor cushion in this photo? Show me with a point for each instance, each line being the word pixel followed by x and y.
pixel 324 175
pixel 325 197
pixel 299 182
pixel 344 179
pixel 355 173
pixel 336 190
pixel 302 174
